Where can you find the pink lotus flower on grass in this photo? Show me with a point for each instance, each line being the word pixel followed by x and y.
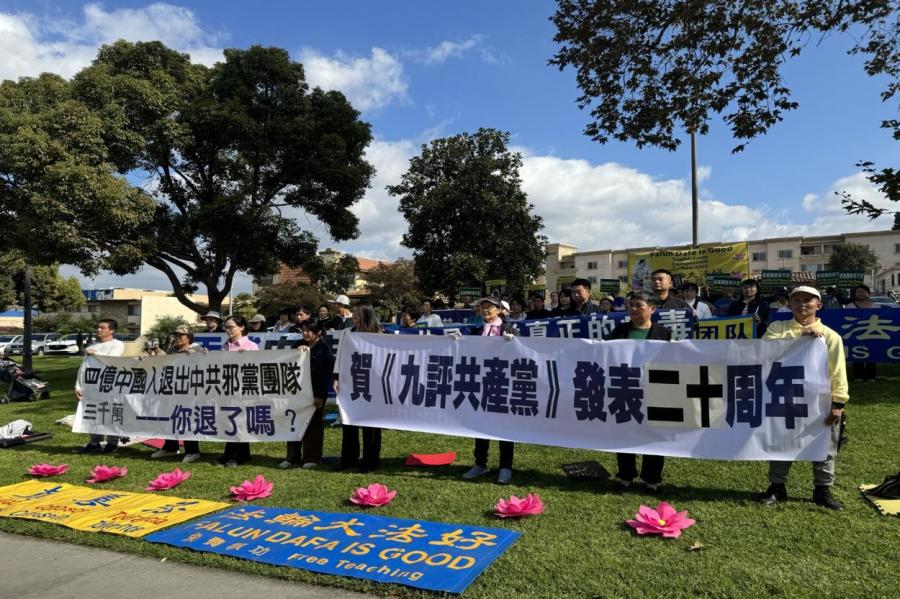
pixel 663 520
pixel 104 473
pixel 515 507
pixel 248 491
pixel 168 480
pixel 42 470
pixel 374 495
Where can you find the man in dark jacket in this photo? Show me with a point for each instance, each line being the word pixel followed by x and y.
pixel 661 282
pixel 750 303
pixel 538 310
pixel 581 298
pixel 641 307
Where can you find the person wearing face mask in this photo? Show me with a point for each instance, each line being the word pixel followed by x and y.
pixel 308 450
pixel 751 304
pixel 237 340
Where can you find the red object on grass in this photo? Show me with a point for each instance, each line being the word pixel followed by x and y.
pixel 157 443
pixel 430 459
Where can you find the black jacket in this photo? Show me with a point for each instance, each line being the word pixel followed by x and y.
pixel 757 307
pixel 321 365
pixel 657 332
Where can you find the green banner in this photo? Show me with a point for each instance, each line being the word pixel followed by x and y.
pixel 470 291
pixel 563 282
pixel 722 281
pixel 775 279
pixel 610 285
pixel 840 278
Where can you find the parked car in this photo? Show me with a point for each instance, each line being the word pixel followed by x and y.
pixel 884 301
pixel 7 340
pixel 68 344
pixel 38 341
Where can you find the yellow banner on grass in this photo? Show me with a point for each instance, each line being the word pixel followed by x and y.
pixel 99 510
pixel 693 264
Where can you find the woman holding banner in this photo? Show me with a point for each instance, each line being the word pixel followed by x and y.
pixel 641 306
pixel 236 330
pixel 494 326
pixel 865 371
pixel 364 321
pixel 308 450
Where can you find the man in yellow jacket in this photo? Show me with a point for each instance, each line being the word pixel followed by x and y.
pixel 804 302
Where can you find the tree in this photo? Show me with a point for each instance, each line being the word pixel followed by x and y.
pixel 50 292
pixel 244 304
pixel 393 284
pixel 226 148
pixel 469 219
pixel 288 296
pixel 853 256
pixel 647 68
pixel 164 326
pixel 333 276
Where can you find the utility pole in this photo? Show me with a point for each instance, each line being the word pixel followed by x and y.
pixel 26 337
pixel 695 229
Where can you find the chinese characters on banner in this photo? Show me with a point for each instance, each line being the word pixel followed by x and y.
pixel 738 400
pixel 99 510
pixel 220 396
pixel 871 335
pixel 417 553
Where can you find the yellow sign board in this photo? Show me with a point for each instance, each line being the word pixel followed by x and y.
pixel 99 510
pixel 693 264
pixel 733 327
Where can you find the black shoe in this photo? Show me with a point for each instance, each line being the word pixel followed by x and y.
pixel 822 496
pixel 345 466
pixel 775 493
pixel 110 448
pixel 90 448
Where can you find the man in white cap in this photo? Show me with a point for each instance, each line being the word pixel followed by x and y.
pixel 804 302
pixel 213 322
pixel 343 316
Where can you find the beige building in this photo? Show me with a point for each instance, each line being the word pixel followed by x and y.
pixel 287 274
pixel 137 310
pixel 797 254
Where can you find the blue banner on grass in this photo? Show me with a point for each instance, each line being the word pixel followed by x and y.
pixel 416 553
pixel 869 334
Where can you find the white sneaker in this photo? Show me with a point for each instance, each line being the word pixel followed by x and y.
pixel 285 465
pixel 190 458
pixel 231 464
pixel 474 472
pixel 504 476
pixel 623 483
pixel 310 465
pixel 163 453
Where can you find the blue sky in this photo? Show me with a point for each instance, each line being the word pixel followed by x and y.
pixel 420 70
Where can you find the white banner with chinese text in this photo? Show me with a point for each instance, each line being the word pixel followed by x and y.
pixel 219 396
pixel 738 400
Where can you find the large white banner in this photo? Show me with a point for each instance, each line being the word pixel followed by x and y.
pixel 219 396
pixel 737 400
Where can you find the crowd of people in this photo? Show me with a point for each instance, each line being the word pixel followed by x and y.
pixel 494 316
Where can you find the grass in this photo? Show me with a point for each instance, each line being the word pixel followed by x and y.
pixel 580 547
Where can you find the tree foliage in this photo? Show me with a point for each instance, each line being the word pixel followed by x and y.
pixel 62 194
pixel 244 304
pixel 393 284
pixel 469 219
pixel 224 150
pixel 288 296
pixel 164 326
pixel 648 68
pixel 50 291
pixel 333 276
pixel 853 256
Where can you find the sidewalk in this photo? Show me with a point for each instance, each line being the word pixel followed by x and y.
pixel 34 568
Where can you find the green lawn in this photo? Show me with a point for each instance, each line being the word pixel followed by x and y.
pixel 580 547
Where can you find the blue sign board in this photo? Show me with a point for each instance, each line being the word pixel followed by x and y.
pixel 416 553
pixel 870 335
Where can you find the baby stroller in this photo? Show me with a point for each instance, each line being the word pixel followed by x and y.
pixel 22 387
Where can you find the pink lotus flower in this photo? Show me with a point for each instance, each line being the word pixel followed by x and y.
pixel 42 470
pixel 248 491
pixel 374 495
pixel 104 473
pixel 168 480
pixel 514 507
pixel 663 520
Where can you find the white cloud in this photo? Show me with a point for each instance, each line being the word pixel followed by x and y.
pixel 369 83
pixel 31 45
pixel 447 49
pixel 809 201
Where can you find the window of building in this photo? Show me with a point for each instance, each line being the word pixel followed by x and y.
pixel 759 256
pixel 809 250
pixel 897 248
pixel 812 267
pixel 93 308
pixel 624 263
pixel 785 254
pixel 592 265
pixel 623 278
pixel 593 280
pixel 134 309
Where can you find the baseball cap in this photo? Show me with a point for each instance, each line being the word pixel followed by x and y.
pixel 258 318
pixel 182 330
pixel 342 300
pixel 807 289
pixel 212 314
pixel 505 305
pixel 491 300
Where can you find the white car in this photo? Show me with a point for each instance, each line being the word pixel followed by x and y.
pixel 884 301
pixel 7 340
pixel 38 340
pixel 67 344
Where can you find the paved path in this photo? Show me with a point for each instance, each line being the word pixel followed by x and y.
pixel 34 568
